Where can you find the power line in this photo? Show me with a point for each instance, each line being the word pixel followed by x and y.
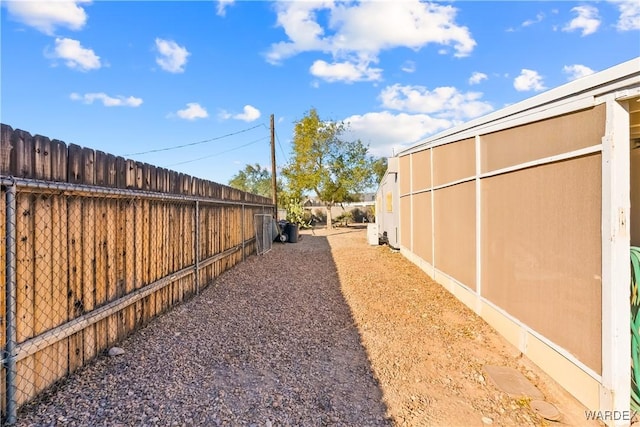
pixel 221 152
pixel 284 156
pixel 194 143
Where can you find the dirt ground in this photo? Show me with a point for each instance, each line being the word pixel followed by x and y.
pixel 326 331
pixel 427 350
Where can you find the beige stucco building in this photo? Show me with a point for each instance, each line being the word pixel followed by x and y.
pixel 527 216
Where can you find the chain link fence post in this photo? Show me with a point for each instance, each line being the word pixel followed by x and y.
pixel 10 311
pixel 197 246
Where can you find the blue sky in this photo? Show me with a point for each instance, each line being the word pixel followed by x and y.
pixel 133 77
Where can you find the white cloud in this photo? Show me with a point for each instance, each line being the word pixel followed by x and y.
pixel 577 71
pixel 345 71
pixel 46 16
pixel 587 20
pixel 539 17
pixel 107 101
pixel 408 67
pixel 222 7
pixel 528 80
pixel 443 102
pixel 421 113
pixel 477 77
pixel 74 55
pixel 386 133
pixel 249 114
pixel 173 57
pixel 193 111
pixel 362 30
pixel 629 14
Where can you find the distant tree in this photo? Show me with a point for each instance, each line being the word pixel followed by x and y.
pixel 253 179
pixel 335 169
pixel 379 168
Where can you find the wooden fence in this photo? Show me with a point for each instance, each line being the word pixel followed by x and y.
pixel 96 246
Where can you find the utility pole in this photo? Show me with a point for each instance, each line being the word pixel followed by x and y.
pixel 274 187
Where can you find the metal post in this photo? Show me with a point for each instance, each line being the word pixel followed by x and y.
pixel 9 356
pixel 274 180
pixel 197 247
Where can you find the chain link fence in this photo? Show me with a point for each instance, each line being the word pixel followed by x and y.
pixel 83 267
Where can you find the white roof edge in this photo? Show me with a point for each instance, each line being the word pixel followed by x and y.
pixel 576 89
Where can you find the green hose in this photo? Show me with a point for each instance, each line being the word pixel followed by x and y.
pixel 635 329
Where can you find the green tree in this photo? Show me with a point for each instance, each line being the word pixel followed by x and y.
pixel 253 179
pixel 322 162
pixel 379 168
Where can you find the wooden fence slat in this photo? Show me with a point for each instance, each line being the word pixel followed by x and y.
pixel 25 237
pixel 45 359
pixel 88 272
pixel 139 174
pixel 58 154
pixel 206 242
pixel 139 272
pixel 129 255
pixel 152 178
pixel 22 161
pixel 88 166
pixel 154 237
pixel 76 306
pixel 146 177
pixel 111 267
pixel 166 252
pixel 130 174
pixel 74 162
pixel 217 240
pixel 187 229
pixel 60 277
pixel 121 171
pixel 101 168
pixel 42 157
pixel 146 258
pixel 121 250
pixel 6 133
pixel 100 251
pixel 159 250
pixel 111 171
pixel 174 228
pixel 89 241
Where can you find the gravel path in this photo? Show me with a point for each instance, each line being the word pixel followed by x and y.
pixel 272 342
pixel 327 331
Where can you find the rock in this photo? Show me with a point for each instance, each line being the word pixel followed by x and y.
pixel 546 410
pixel 115 351
pixel 487 420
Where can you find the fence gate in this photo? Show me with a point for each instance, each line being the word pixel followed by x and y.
pixel 264 226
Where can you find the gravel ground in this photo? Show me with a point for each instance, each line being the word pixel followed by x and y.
pixel 327 331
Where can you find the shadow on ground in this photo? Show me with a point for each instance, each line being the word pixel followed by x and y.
pixel 271 342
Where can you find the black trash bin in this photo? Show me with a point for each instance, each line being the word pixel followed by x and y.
pixel 293 233
pixel 283 231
